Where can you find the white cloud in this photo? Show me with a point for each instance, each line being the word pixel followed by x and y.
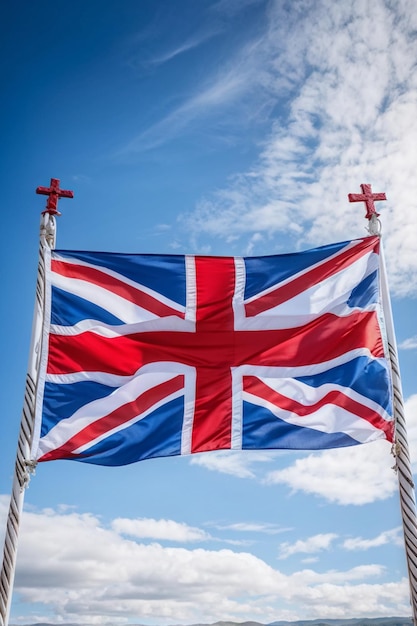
pixel 253 527
pixel 255 239
pixel 388 536
pixel 357 475
pixel 232 462
pixel 314 544
pixel 83 571
pixel 408 344
pixel 163 227
pixel 158 529
pixel 361 572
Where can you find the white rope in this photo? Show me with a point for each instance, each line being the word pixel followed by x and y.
pixel 401 451
pixel 23 466
pixel 375 226
pixel 406 484
pixel 48 230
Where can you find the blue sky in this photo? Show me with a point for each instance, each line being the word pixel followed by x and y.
pixel 224 127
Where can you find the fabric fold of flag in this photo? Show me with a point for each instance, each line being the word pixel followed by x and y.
pixel 159 355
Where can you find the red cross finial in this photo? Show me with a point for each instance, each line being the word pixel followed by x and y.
pixel 54 193
pixel 368 197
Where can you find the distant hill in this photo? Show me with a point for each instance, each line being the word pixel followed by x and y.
pixel 358 621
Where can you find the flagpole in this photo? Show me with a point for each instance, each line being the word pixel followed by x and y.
pixel 400 448
pixel 401 452
pixel 23 466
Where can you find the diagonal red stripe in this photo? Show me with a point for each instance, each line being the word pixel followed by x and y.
pixel 255 386
pixel 311 277
pixel 115 286
pixel 116 418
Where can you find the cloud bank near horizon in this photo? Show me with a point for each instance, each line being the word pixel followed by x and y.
pixel 63 567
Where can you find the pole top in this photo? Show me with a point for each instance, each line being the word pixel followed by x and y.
pixel 369 198
pixel 54 193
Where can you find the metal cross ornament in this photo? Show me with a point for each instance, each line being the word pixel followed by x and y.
pixel 54 193
pixel 369 198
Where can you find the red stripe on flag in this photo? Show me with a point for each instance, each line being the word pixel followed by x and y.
pixel 115 286
pixel 116 418
pixel 326 338
pixel 311 277
pixel 215 279
pixel 253 385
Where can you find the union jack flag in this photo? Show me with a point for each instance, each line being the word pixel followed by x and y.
pixel 160 355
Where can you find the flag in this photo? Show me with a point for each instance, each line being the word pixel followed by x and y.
pixel 159 355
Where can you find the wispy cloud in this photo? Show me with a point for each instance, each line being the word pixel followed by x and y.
pixel 312 545
pixel 408 344
pixel 231 7
pixel 196 40
pixel 393 536
pixel 253 527
pixel 232 462
pixel 348 73
pixel 161 529
pixel 218 93
pixel 237 89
